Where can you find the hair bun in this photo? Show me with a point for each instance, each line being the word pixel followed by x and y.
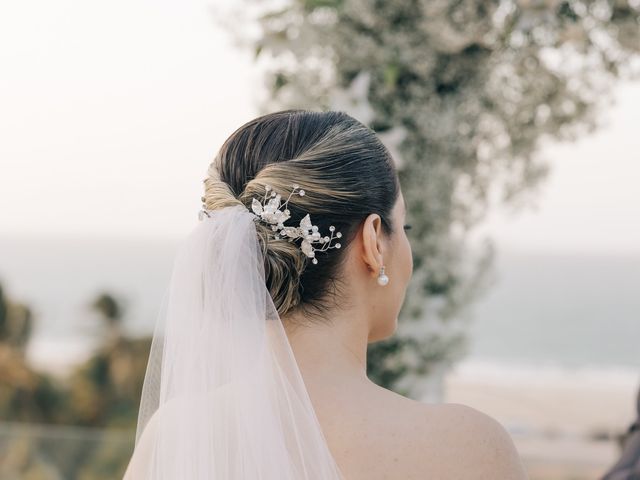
pixel 283 267
pixel 217 193
pixel 346 172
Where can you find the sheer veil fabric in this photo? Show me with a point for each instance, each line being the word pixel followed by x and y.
pixel 223 397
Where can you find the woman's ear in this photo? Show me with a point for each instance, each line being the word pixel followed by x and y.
pixel 372 247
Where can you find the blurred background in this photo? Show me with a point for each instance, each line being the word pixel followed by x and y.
pixel 514 125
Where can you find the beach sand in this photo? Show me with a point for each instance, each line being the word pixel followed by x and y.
pixel 563 422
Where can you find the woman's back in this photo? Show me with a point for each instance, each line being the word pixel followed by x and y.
pixel 374 433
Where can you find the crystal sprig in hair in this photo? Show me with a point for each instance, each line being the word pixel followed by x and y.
pixel 270 211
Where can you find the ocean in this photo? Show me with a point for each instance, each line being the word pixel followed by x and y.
pixel 554 311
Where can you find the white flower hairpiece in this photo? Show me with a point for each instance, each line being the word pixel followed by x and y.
pixel 271 212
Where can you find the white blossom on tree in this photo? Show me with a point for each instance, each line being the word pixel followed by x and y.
pixel 462 92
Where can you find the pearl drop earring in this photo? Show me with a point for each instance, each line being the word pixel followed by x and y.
pixel 382 278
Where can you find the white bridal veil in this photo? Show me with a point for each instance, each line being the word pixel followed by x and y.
pixel 223 397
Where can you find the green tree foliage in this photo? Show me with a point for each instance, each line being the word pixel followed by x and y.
pixel 16 322
pixel 462 92
pixel 80 426
pixel 25 394
pixel 105 390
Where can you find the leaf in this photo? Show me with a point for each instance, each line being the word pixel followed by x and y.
pixel 291 232
pixel 305 223
pixel 306 248
pixel 256 206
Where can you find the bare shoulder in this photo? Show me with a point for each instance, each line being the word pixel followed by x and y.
pixel 470 441
pixel 448 440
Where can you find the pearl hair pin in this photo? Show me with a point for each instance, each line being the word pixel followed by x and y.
pixel 271 212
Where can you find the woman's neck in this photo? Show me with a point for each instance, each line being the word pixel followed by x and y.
pixel 334 350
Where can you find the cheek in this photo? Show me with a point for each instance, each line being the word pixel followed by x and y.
pixel 407 257
pixel 403 260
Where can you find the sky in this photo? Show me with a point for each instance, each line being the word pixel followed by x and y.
pixel 110 113
pixel 590 202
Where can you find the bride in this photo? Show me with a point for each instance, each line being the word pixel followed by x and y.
pixel 258 363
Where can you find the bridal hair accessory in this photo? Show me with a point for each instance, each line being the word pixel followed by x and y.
pixel 270 211
pixel 382 277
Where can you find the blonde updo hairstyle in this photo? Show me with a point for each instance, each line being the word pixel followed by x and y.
pixel 346 173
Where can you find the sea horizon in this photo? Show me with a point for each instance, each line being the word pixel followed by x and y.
pixel 546 312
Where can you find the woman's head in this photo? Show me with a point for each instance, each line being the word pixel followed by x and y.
pixel 348 177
